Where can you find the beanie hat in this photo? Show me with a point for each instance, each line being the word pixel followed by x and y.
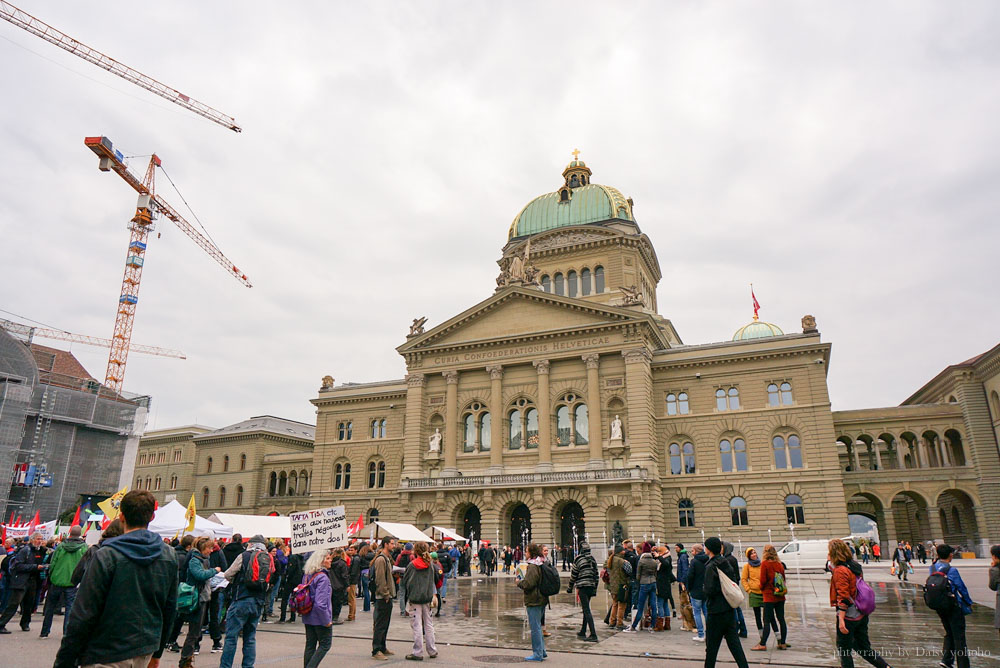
pixel 680 545
pixel 646 547
pixel 713 544
pixel 258 539
pixel 408 546
pixel 434 555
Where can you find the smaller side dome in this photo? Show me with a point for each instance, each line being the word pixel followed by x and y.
pixel 757 329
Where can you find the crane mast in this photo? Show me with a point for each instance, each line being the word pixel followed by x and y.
pixel 39 28
pixel 148 206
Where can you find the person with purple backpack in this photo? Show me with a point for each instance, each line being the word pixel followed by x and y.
pixel 318 618
pixel 854 601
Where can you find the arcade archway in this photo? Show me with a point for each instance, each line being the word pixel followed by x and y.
pixel 520 524
pixel 472 521
pixel 570 518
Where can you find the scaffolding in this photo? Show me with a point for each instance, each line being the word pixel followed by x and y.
pixel 60 436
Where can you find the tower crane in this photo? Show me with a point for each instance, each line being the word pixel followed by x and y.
pixel 39 28
pixel 30 332
pixel 148 207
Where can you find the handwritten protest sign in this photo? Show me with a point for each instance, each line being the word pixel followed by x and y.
pixel 318 529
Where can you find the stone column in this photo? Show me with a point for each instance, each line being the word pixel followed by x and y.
pixel 854 452
pixel 544 417
pixel 899 453
pixel 943 449
pixel 451 425
pixel 878 454
pixel 934 522
pixel 593 362
pixel 496 419
pixel 920 446
pixel 413 441
pixel 640 432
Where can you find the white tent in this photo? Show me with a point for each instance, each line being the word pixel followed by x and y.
pixel 406 532
pixel 169 521
pixel 447 534
pixel 268 526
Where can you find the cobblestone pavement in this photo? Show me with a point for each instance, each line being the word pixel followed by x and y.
pixel 486 619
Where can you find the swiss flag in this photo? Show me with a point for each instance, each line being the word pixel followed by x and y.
pixel 354 528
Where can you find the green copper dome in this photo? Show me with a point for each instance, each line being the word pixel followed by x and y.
pixel 757 330
pixel 578 202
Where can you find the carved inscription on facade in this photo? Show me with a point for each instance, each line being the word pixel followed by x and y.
pixel 530 349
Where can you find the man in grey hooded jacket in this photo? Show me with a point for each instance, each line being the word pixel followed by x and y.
pixel 125 608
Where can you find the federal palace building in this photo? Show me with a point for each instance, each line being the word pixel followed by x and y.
pixel 564 404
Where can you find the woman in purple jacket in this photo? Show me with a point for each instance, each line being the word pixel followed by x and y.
pixel 319 620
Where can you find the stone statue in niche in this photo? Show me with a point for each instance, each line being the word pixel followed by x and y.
pixel 417 327
pixel 516 268
pixel 616 429
pixel 435 441
pixel 617 533
pixel 326 383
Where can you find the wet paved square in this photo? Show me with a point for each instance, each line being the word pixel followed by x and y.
pixel 489 612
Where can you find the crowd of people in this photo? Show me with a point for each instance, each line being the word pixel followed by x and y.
pixel 125 600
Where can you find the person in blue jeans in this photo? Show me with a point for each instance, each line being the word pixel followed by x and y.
pixel 696 589
pixel 245 610
pixel 955 649
pixel 645 577
pixel 534 600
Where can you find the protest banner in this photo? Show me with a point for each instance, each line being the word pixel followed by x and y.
pixel 318 529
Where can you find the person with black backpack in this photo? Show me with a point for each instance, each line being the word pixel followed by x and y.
pixel 946 594
pixel 249 576
pixel 533 583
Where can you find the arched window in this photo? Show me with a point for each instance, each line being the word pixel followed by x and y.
pixel 469 438
pixel 581 425
pixel 598 279
pixel 138 483
pixel 243 462
pixel 222 497
pixel 282 484
pixel 485 434
pixel 571 284
pixel 677 403
pixel 372 515
pixel 381 474
pixel 148 482
pixel 350 430
pixel 156 483
pixel 675 459
pixel 793 509
pixel 382 428
pixel 341 431
pixel 239 495
pixel 293 484
pixel 546 283
pixel 738 510
pixel 376 474
pixel 779 395
pixel 787 452
pixel 733 455
pixel 563 429
pixel 685 513
pixel 173 482
pixel 272 484
pixel 303 483
pixel 688 457
pixel 514 429
pixel 374 428
pixel 347 476
pixel 225 463
pixel 208 465
pixel 177 456
pixel 585 282
pixel 559 284
pixel 338 476
pixel 204 497
pixel 531 428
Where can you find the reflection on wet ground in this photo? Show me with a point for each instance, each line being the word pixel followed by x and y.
pixel 489 612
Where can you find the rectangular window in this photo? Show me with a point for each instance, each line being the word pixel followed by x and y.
pixel 177 455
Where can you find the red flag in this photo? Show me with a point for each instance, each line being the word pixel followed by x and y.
pixel 76 517
pixel 756 304
pixel 11 520
pixel 35 521
pixel 105 522
pixel 355 528
pixel 18 522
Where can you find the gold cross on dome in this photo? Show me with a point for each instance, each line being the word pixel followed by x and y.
pixel 576 154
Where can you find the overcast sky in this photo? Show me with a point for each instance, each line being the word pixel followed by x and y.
pixel 842 156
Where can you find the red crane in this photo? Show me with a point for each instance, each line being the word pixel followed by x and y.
pixel 26 21
pixel 149 206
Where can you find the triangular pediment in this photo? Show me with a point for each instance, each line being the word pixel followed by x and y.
pixel 519 313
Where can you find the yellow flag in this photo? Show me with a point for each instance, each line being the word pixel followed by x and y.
pixel 109 506
pixel 189 514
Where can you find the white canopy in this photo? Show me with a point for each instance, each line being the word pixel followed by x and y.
pixel 406 532
pixel 448 534
pixel 268 526
pixel 169 520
